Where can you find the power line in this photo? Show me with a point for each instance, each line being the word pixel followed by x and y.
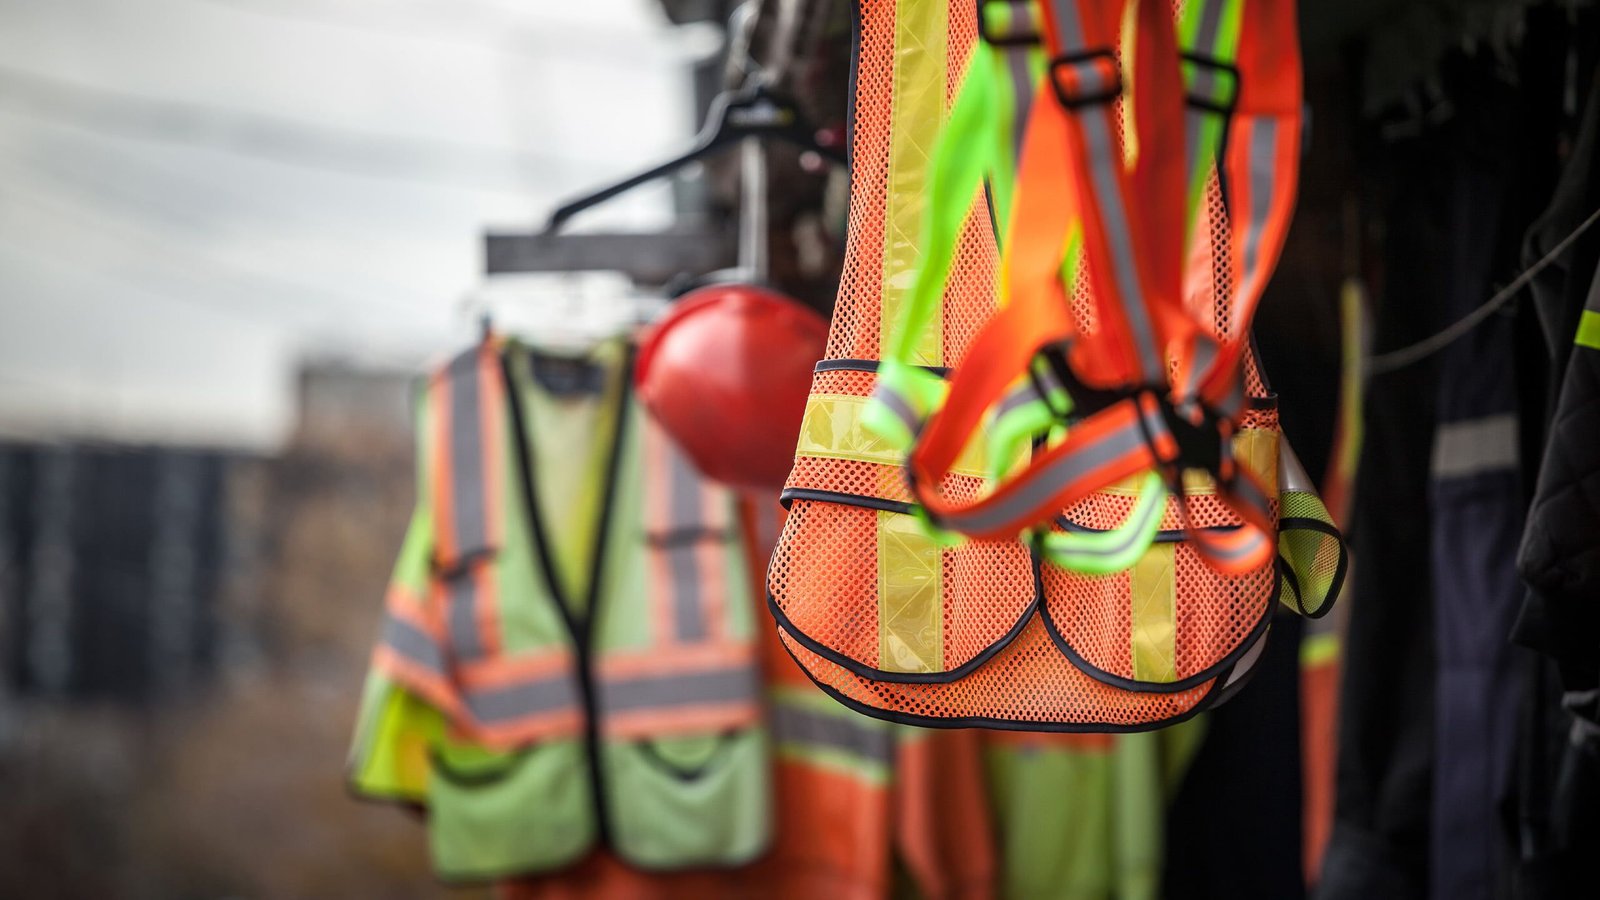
pixel 1383 363
pixel 520 42
pixel 276 138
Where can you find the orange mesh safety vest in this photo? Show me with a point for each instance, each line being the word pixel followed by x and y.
pixel 889 622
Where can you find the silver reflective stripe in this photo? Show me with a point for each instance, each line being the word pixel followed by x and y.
pixel 1219 551
pixel 1104 161
pixel 461 617
pixel 1205 354
pixel 548 694
pixel 1135 533
pixel 1022 395
pixel 1263 164
pixel 902 410
pixel 1021 82
pixel 1476 446
pixel 735 685
pixel 409 642
pixel 1050 479
pixel 684 536
pixel 1205 39
pixel 468 503
pixel 843 731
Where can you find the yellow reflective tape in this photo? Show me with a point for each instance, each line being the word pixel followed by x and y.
pixel 832 428
pixel 1588 330
pixel 917 111
pixel 1254 448
pixel 910 597
pixel 1153 584
pixel 1319 649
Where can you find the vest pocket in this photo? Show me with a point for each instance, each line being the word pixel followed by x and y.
pixel 692 800
pixel 494 814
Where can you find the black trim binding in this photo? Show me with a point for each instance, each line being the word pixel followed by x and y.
pixel 580 630
pixel 856 667
pixel 899 718
pixel 651 752
pixel 845 364
pixel 1218 669
pixel 1164 536
pixel 790 495
pixel 1340 570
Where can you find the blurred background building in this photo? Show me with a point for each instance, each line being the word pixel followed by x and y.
pixel 230 232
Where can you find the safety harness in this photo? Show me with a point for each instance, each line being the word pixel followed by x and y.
pixel 1116 371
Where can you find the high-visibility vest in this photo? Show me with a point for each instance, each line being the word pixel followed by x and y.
pixel 1084 815
pixel 894 622
pixel 632 720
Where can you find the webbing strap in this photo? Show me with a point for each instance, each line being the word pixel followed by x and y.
pixel 1137 285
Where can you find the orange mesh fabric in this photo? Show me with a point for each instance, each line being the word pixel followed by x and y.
pixel 1027 682
pixel 823 580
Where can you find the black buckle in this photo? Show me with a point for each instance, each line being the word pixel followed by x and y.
pixel 1211 64
pixel 1086 401
pixel 1077 61
pixel 1005 38
pixel 1199 443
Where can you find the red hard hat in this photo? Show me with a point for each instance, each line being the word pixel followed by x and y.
pixel 726 372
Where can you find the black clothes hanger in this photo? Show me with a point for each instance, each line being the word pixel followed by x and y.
pixel 751 111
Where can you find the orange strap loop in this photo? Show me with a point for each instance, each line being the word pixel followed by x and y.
pixel 1129 221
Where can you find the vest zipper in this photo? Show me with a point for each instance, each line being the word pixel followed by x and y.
pixel 580 630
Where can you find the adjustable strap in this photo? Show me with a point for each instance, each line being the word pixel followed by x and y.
pixel 1137 285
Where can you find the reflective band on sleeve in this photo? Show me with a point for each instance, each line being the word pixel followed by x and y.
pixel 920 36
pixel 1475 446
pixel 910 597
pixel 413 645
pixel 1152 587
pixel 1588 330
pixel 832 429
pixel 463 611
pixel 809 731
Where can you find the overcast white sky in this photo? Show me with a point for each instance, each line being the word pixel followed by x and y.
pixel 194 193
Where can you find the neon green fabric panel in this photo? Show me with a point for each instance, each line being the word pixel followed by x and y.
pixel 1589 330
pixel 389 755
pixel 492 815
pixel 690 801
pixel 569 437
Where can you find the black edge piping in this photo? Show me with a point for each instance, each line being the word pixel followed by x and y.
pixel 581 632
